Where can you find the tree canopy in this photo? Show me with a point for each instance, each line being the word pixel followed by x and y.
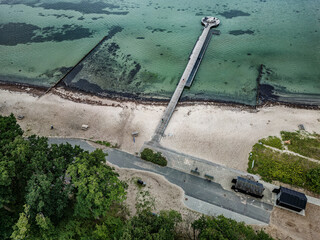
pixel 222 228
pixel 42 185
pixel 63 192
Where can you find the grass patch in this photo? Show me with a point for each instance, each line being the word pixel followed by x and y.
pixel 303 143
pixel 286 168
pixel 272 142
pixel 155 157
pixel 107 144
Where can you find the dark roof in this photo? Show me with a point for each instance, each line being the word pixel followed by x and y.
pixel 249 186
pixel 292 198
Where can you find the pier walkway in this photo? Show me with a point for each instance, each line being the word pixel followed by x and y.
pixel 188 74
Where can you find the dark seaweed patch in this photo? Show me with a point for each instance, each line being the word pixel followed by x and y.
pixel 96 18
pixel 84 7
pixel 113 31
pixel 88 86
pixel 12 34
pixel 134 71
pixel 66 33
pixel 113 47
pixel 158 30
pixel 266 93
pixel 234 13
pixel 14 2
pixel 199 14
pixel 62 15
pixel 155 29
pixel 241 32
pixel 68 79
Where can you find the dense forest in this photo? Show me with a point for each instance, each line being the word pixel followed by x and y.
pixel 63 192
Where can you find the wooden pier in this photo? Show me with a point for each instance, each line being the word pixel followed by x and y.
pixel 188 75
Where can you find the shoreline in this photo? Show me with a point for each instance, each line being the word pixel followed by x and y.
pixel 123 97
pixel 219 133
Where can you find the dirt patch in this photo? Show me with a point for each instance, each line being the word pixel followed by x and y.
pixel 166 196
pixel 288 225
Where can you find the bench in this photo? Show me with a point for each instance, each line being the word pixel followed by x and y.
pixel 209 177
pixel 195 172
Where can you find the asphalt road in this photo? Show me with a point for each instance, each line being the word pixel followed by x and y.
pixel 196 187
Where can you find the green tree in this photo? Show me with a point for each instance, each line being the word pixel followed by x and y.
pixel 96 185
pixel 9 130
pixel 151 226
pixel 54 191
pixel 222 228
pixel 313 179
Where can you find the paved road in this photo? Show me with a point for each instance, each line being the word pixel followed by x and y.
pixel 193 186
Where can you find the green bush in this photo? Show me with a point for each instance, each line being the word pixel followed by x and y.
pixel 313 179
pixel 107 144
pixel 272 142
pixel 222 228
pixel 157 158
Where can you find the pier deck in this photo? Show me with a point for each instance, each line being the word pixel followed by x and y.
pixel 185 80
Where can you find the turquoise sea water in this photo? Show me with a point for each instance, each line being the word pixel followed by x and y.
pixel 149 43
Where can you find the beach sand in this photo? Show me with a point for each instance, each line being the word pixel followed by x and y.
pixel 225 135
pixel 110 121
pixel 164 195
pixel 221 134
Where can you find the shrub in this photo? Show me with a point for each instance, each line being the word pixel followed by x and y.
pixel 272 142
pixel 155 157
pixel 313 179
pixel 222 228
pixel 107 144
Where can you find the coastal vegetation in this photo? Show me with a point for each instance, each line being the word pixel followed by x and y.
pixel 288 166
pixel 215 228
pixel 107 144
pixel 63 192
pixel 155 157
pixel 272 142
pixel 304 143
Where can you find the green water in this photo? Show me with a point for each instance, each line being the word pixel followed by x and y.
pixel 147 57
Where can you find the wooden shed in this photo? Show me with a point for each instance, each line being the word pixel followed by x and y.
pixel 291 199
pixel 247 186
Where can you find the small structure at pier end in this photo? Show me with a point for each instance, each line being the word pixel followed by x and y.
pixel 210 21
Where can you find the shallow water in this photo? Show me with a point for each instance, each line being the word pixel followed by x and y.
pixel 40 40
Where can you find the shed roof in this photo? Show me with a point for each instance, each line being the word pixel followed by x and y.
pixel 249 186
pixel 292 198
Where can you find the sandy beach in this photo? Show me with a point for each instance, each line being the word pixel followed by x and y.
pixel 221 134
pixel 225 135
